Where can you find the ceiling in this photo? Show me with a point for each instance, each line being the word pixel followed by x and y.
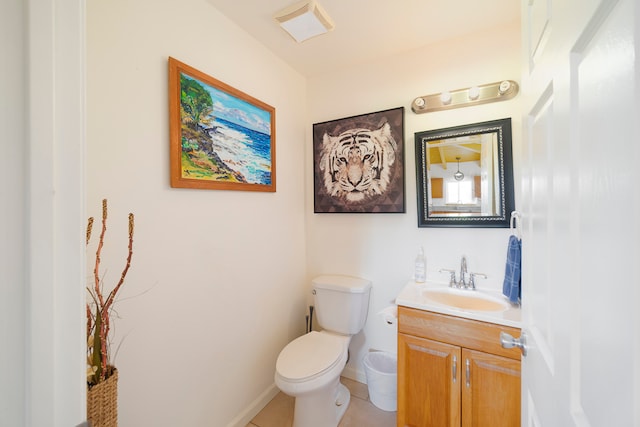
pixel 367 30
pixel 468 151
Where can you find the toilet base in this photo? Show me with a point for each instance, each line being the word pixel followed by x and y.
pixel 322 408
pixel 344 397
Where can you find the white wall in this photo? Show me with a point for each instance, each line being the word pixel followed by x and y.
pixel 216 287
pixel 382 247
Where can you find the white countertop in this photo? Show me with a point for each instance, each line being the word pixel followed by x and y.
pixel 412 295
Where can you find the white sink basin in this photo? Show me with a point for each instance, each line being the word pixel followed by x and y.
pixel 464 299
pixel 486 305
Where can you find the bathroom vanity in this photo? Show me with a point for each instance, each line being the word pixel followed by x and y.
pixel 452 368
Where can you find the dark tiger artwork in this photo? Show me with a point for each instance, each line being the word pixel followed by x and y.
pixel 358 164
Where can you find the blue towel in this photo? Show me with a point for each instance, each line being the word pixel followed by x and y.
pixel 512 275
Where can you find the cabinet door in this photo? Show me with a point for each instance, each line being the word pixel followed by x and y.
pixel 429 377
pixel 490 390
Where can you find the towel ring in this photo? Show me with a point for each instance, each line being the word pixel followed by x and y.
pixel 515 224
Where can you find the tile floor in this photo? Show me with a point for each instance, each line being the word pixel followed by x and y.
pixel 361 412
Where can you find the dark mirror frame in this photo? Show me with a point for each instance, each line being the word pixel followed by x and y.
pixel 505 198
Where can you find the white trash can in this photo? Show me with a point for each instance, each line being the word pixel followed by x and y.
pixel 381 369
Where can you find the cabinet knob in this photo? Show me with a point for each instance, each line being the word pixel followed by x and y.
pixel 507 341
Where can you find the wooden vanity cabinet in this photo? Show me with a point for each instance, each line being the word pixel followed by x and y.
pixel 453 372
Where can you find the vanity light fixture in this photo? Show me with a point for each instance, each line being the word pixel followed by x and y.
pixel 458 176
pixel 475 95
pixel 304 20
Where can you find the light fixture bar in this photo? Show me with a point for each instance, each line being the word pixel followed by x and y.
pixel 475 95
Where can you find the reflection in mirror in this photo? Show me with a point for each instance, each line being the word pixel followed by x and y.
pixel 464 175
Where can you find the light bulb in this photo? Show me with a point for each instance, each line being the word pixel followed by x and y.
pixel 474 93
pixel 445 97
pixel 504 86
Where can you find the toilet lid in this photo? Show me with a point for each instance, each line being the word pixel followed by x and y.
pixel 309 356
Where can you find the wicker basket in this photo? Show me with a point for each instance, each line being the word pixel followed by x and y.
pixel 102 402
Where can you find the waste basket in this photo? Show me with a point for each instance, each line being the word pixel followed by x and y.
pixel 381 370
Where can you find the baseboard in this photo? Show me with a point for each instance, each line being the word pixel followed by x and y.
pixel 354 374
pixel 255 407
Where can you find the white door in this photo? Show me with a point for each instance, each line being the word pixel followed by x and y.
pixel 580 207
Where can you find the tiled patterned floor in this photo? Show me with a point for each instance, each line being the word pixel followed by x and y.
pixel 361 412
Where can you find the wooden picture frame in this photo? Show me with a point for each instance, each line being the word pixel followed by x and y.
pixel 359 164
pixel 220 138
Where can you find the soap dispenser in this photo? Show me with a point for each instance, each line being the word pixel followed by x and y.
pixel 420 273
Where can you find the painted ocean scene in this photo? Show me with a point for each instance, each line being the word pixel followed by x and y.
pixel 224 138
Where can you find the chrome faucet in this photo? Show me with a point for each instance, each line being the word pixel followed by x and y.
pixel 472 279
pixel 463 272
pixel 452 277
pixel 463 282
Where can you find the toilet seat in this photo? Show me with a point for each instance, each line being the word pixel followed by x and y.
pixel 310 356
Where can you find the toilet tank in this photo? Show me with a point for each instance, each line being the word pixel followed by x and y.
pixel 341 303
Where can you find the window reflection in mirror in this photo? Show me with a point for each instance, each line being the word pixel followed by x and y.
pixel 464 175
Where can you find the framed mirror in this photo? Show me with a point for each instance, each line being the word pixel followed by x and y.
pixel 465 175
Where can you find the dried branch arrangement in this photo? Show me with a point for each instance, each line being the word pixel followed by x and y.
pixel 99 308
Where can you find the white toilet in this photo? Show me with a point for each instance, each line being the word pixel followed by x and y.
pixel 309 367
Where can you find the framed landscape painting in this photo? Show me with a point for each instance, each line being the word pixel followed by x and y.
pixel 358 164
pixel 220 137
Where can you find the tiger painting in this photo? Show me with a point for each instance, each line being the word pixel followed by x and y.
pixel 356 164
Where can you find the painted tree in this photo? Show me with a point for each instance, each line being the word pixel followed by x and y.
pixel 196 108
